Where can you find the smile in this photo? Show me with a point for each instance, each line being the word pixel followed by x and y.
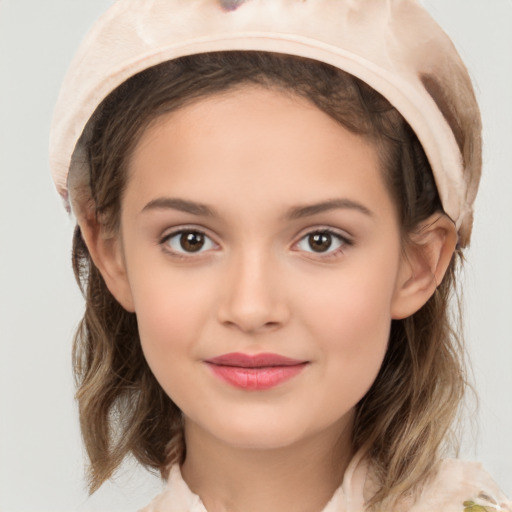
pixel 258 372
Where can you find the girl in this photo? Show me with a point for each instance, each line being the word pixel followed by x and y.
pixel 272 198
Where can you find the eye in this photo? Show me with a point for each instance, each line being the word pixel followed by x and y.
pixel 322 241
pixel 189 241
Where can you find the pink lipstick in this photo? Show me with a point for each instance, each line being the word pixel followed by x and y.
pixel 257 372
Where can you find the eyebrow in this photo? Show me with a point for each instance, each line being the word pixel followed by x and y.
pixel 299 212
pixel 182 205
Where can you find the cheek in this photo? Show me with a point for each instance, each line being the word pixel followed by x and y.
pixel 169 326
pixel 353 304
pixel 171 312
pixel 355 341
pixel 353 349
pixel 350 318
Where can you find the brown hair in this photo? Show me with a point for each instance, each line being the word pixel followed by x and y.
pixel 408 412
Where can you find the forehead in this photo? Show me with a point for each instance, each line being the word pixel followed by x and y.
pixel 242 116
pixel 253 144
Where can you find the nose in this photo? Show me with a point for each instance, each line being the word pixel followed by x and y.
pixel 253 297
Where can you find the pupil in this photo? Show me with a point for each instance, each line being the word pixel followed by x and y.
pixel 320 242
pixel 192 242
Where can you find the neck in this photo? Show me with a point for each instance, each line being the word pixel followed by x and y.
pixel 300 477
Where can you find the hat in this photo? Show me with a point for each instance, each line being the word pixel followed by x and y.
pixel 392 45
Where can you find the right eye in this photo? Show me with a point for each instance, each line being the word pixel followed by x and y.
pixel 189 241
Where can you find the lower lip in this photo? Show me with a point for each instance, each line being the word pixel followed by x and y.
pixel 256 379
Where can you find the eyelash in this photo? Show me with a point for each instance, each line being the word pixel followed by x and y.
pixel 343 240
pixel 164 242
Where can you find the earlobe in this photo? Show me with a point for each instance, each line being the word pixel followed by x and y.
pixel 424 264
pixel 106 253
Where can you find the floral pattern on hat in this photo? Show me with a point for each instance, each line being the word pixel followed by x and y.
pixel 231 5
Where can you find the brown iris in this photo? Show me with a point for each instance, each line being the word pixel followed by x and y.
pixel 320 242
pixel 192 241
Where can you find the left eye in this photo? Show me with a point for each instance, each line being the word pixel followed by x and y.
pixel 321 242
pixel 189 241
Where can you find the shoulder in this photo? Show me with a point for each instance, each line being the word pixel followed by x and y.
pixel 461 486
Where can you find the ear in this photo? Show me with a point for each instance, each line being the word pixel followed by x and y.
pixel 107 254
pixel 426 258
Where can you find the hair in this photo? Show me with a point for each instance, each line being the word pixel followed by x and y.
pixel 404 420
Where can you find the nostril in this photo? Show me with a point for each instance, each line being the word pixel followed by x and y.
pixel 251 325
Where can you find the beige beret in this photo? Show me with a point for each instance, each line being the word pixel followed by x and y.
pixel 392 45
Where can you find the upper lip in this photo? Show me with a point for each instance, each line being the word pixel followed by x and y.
pixel 241 360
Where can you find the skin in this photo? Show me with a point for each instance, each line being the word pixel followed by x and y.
pixel 256 160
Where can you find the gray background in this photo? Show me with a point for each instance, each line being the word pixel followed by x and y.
pixel 41 459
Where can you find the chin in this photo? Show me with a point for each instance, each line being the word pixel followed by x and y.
pixel 269 430
pixel 262 440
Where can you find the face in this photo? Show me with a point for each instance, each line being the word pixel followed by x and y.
pixel 262 254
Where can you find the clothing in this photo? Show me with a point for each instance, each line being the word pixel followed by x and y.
pixel 458 486
pixel 394 46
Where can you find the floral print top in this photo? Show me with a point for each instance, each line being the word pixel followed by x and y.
pixel 458 486
pixel 484 503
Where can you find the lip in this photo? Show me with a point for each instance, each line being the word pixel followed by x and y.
pixel 255 372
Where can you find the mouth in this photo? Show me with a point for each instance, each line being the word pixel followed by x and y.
pixel 255 372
